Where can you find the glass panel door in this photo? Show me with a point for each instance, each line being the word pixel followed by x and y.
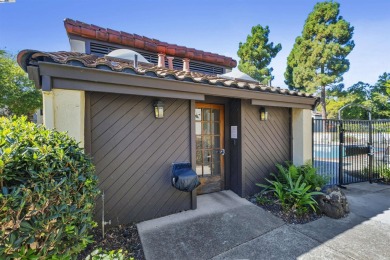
pixel 209 136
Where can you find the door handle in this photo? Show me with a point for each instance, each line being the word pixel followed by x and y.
pixel 222 151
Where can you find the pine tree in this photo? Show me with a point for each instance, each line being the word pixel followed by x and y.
pixel 256 54
pixel 318 58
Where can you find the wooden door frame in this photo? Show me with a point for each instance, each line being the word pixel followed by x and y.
pixel 222 108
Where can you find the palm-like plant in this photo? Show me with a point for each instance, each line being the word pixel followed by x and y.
pixel 291 189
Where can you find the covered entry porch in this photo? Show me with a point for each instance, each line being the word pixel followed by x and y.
pixel 109 107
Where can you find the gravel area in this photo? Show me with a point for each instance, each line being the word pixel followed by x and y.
pixel 271 204
pixel 123 237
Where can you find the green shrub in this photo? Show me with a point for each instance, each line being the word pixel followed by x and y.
pixel 100 254
pixel 311 177
pixel 292 189
pixel 263 200
pixel 307 171
pixel 385 174
pixel 47 193
pixel 382 172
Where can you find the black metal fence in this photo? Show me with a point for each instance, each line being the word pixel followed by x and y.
pixel 349 151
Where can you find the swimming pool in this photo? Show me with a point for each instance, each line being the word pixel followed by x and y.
pixel 326 151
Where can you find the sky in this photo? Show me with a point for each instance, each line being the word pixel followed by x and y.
pixel 210 25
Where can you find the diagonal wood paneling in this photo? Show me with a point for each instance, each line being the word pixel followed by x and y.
pixel 133 152
pixel 264 144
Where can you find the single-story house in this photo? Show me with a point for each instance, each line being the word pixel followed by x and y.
pixel 232 130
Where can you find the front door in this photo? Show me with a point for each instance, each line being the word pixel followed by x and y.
pixel 209 131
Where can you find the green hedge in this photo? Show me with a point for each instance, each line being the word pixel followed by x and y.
pixel 47 192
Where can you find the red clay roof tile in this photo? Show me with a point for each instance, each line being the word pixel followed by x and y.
pixel 30 57
pixel 91 31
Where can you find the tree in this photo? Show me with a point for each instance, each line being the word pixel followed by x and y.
pixel 18 96
pixel 318 58
pixel 358 93
pixel 256 54
pixel 374 97
pixel 379 98
pixel 383 83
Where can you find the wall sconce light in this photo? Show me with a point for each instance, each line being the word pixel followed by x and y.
pixel 158 109
pixel 263 114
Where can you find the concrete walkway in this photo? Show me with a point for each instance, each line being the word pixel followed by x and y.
pixel 226 226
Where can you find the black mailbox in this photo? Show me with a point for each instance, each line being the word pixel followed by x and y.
pixel 183 177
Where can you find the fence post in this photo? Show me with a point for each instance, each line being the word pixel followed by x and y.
pixel 341 149
pixel 370 151
pixel 312 140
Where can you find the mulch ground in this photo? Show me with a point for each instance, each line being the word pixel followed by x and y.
pixel 123 237
pixel 271 204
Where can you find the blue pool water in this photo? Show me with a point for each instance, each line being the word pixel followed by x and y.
pixel 326 151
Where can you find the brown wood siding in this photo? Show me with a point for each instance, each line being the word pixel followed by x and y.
pixel 264 144
pixel 133 152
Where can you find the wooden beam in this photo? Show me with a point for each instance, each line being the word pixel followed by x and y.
pixel 121 89
pixel 257 102
pixel 46 83
pixel 194 201
pixel 33 74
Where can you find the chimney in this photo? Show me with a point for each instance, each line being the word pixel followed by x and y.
pixel 186 65
pixel 161 60
pixel 170 62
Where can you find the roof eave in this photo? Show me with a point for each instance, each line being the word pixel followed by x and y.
pixel 112 78
pixel 23 58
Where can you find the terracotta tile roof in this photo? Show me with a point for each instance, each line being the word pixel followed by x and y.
pixel 91 31
pixel 31 57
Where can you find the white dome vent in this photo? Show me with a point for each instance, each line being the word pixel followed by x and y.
pixel 126 54
pixel 236 74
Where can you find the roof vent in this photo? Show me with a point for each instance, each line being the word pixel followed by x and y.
pixel 237 75
pixel 126 54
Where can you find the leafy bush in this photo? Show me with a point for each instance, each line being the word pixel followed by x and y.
pixel 47 192
pixel 311 177
pixel 307 171
pixel 263 200
pixel 385 174
pixel 381 172
pixel 100 254
pixel 293 187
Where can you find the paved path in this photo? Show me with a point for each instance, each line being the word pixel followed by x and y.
pixel 228 227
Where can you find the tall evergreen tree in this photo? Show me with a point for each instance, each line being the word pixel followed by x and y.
pixel 256 54
pixel 318 58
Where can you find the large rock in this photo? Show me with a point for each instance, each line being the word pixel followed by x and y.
pixel 333 203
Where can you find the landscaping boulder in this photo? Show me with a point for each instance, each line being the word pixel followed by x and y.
pixel 333 203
